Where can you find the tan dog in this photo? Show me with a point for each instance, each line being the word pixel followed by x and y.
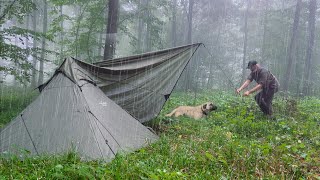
pixel 196 112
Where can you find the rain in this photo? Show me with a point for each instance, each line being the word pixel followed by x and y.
pixel 169 89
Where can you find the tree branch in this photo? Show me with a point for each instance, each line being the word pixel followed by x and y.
pixel 7 9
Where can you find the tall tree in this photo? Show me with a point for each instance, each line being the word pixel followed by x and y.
pixel 43 42
pixel 292 47
pixel 190 17
pixel 189 70
pixel 245 41
pixel 112 27
pixel 149 25
pixel 141 5
pixel 26 73
pixel 81 13
pixel 61 35
pixel 265 22
pixel 147 15
pixel 34 57
pixel 12 52
pixel 308 68
pixel 174 24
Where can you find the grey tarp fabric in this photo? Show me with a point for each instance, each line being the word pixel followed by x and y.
pixel 141 84
pixel 95 109
pixel 65 117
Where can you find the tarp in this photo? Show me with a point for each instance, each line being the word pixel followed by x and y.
pixel 140 84
pixel 97 109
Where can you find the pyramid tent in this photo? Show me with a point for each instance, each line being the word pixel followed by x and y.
pixel 65 117
pixel 97 109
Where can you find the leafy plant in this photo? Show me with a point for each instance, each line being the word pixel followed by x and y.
pixel 234 142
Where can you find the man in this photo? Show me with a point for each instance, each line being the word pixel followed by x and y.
pixel 266 82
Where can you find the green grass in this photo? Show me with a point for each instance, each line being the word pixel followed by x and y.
pixel 235 142
pixel 13 101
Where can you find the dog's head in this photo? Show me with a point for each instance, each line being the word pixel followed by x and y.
pixel 208 107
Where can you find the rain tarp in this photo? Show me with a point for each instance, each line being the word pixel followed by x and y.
pixel 97 109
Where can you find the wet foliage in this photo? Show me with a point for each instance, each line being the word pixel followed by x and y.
pixel 13 101
pixel 235 142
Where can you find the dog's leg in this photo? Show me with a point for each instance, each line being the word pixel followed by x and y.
pixel 172 113
pixel 178 113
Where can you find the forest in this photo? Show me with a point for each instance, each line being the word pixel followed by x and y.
pixel 235 142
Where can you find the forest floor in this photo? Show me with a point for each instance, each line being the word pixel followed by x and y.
pixel 235 142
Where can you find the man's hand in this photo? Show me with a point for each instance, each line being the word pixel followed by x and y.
pixel 246 93
pixel 238 91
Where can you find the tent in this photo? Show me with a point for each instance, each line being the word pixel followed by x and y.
pixel 97 109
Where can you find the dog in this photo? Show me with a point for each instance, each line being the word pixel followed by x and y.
pixel 195 112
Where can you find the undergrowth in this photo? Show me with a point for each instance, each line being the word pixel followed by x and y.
pixel 13 101
pixel 234 142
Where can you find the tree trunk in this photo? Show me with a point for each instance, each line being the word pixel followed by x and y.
pixel 27 39
pixel 148 29
pixel 112 26
pixel 189 70
pixel 211 65
pixel 80 10
pixel 184 23
pixel 61 38
pixel 190 14
pixel 26 71
pixel 174 24
pixel 245 42
pixel 308 63
pixel 34 57
pixel 100 35
pixel 140 25
pixel 1 72
pixel 143 26
pixel 101 38
pixel 265 22
pixel 292 47
pixel 43 44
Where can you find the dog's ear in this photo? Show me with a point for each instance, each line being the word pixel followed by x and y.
pixel 204 106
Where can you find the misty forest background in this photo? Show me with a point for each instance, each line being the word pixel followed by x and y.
pixel 234 142
pixel 283 35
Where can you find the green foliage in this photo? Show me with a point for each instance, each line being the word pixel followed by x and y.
pixel 66 166
pixel 85 37
pixel 16 9
pixel 153 16
pixel 14 54
pixel 234 142
pixel 13 101
pixel 82 39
